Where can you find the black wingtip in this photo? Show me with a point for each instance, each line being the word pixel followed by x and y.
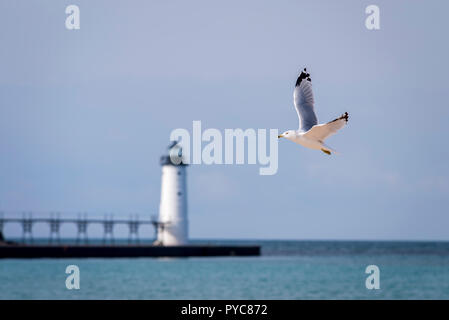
pixel 303 75
pixel 344 116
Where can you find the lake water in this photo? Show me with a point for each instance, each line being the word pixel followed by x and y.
pixel 286 270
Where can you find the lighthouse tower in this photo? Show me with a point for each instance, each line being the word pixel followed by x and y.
pixel 173 227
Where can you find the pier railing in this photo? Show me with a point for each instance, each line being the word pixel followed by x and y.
pixel 54 220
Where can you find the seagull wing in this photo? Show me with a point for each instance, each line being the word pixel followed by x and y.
pixel 322 131
pixel 303 100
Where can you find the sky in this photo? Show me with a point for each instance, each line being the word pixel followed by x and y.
pixel 85 114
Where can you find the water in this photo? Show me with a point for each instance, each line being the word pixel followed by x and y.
pixel 286 270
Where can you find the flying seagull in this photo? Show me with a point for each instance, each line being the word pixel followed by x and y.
pixel 311 134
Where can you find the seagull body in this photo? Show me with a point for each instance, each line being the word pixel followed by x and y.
pixel 311 134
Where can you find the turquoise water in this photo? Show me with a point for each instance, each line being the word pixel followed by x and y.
pixel 286 270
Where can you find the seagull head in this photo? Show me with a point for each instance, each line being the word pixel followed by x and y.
pixel 289 134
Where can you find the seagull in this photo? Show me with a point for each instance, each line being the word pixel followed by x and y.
pixel 311 134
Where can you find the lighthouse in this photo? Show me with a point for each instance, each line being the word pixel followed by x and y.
pixel 173 226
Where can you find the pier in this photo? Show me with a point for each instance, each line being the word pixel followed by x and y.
pixel 54 222
pixel 28 248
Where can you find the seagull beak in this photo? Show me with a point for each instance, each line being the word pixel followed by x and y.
pixel 280 136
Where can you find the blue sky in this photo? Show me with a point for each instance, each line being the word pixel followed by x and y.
pixel 85 114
